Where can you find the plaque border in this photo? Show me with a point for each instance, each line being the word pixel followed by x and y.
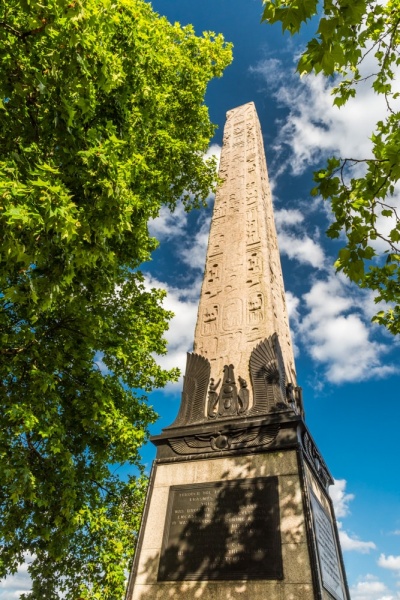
pixel 328 588
pixel 240 576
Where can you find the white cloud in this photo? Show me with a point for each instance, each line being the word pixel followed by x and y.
pixel 314 128
pixel 285 217
pixel 389 562
pixel 371 589
pixel 173 226
pixel 168 224
pixel 333 317
pixel 13 586
pixel 183 303
pixel 336 335
pixel 292 305
pixel 354 544
pixel 297 244
pixel 193 251
pixel 340 498
pixel 302 249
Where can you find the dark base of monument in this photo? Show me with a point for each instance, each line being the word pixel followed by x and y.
pixel 242 502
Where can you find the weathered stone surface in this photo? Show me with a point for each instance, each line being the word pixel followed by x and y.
pixel 257 465
pixel 242 300
pixel 296 565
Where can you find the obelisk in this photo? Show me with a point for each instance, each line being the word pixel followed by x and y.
pixel 238 504
pixel 242 300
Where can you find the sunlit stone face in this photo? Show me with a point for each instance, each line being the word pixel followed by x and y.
pixel 242 299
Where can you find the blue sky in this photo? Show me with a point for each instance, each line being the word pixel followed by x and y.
pixel 349 369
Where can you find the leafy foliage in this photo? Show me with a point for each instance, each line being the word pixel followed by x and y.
pixel 364 192
pixel 102 123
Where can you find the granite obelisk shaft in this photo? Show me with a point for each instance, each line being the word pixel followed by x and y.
pixel 242 299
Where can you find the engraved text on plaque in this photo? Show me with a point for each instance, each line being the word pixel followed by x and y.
pixel 327 551
pixel 225 530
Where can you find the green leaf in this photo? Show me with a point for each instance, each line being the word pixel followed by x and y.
pixel 359 188
pixel 105 124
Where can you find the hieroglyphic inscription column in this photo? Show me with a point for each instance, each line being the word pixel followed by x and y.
pixel 242 299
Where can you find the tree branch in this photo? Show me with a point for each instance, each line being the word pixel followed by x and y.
pixel 22 34
pixel 103 488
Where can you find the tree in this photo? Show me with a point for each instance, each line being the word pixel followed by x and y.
pixel 102 123
pixel 365 202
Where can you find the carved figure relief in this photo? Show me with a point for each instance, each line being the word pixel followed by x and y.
pixel 234 203
pixel 243 396
pixel 213 275
pixel 207 347
pixel 228 397
pixel 238 143
pixel 213 292
pixel 317 461
pixel 254 263
pixel 251 226
pixel 219 440
pixel 255 313
pixel 213 399
pixel 290 396
pixel 232 314
pixel 220 211
pixel 294 398
pixel 216 243
pixel 210 320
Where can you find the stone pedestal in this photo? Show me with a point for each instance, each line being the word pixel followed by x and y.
pixel 239 523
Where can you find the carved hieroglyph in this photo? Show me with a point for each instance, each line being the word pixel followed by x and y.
pixel 242 299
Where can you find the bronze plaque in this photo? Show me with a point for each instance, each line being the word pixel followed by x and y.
pixel 222 530
pixel 327 551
